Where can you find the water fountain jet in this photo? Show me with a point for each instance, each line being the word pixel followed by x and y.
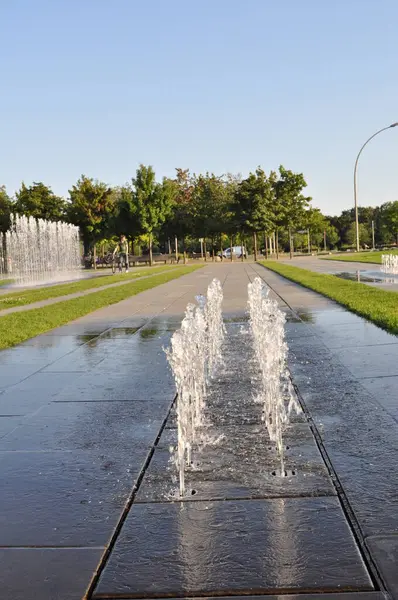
pixel 194 355
pixel 275 388
pixel 389 263
pixel 36 251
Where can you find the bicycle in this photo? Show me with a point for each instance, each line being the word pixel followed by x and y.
pixel 122 260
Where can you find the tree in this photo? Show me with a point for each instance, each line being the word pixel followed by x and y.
pixel 253 205
pixel 288 194
pixel 364 234
pixel 5 210
pixel 152 202
pixel 125 219
pixel 332 236
pixel 40 202
pixel 316 224
pixel 179 191
pixel 390 219
pixel 5 224
pixel 92 204
pixel 210 207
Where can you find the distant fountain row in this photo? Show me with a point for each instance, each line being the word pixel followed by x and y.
pixel 36 251
pixel 195 356
pixel 389 263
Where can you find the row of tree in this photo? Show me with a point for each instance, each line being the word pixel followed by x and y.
pixel 216 209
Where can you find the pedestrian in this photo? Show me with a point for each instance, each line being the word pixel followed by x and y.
pixel 122 248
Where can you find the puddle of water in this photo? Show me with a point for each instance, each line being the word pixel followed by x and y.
pixel 87 337
pixel 120 332
pixel 240 319
pixel 306 316
pixel 148 333
pixel 368 277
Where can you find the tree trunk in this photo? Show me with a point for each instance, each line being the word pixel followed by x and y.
pixel 6 266
pixel 205 249
pixel 290 244
pixel 324 240
pixel 221 248
pixel 265 245
pixel 95 256
pixel 309 242
pixel 169 247
pixel 255 245
pixel 212 248
pixel 184 251
pixel 176 247
pixel 242 247
pixel 150 250
pixel 277 244
pixel 271 249
pixel 201 248
pixel 231 241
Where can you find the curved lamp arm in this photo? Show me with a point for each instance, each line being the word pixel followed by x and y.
pixel 355 178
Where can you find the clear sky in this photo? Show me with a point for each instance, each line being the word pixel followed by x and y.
pixel 98 86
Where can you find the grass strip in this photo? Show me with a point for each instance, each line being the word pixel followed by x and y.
pixel 29 296
pixel 5 281
pixel 378 306
pixel 18 327
pixel 362 257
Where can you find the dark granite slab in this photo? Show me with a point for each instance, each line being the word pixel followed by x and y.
pixel 384 552
pixel 116 426
pixel 360 438
pixel 371 362
pixel 239 462
pixel 221 548
pixel 33 393
pixel 301 596
pixel 8 424
pixel 65 498
pixel 47 573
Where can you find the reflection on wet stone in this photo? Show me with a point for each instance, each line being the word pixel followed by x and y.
pixel 85 439
pixel 234 547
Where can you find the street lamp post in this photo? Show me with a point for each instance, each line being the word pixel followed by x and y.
pixel 355 179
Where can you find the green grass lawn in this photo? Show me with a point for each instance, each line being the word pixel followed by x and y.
pixel 5 281
pixel 28 296
pixel 378 306
pixel 363 257
pixel 20 326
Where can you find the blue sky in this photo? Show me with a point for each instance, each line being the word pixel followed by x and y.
pixel 98 86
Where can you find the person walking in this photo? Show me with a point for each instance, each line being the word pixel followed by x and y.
pixel 122 248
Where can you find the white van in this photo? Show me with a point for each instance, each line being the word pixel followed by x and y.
pixel 236 252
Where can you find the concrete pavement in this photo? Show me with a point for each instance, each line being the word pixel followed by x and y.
pixel 85 407
pixel 368 273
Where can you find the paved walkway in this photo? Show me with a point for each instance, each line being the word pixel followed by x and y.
pixel 83 407
pixel 362 272
pixel 41 303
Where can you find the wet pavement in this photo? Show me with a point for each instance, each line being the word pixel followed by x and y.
pixel 368 273
pixel 88 493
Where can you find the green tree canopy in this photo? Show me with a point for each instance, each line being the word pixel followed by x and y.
pixel 254 203
pixel 152 201
pixel 389 219
pixel 5 210
pixel 210 206
pixel 125 219
pixel 289 198
pixel 40 202
pixel 91 206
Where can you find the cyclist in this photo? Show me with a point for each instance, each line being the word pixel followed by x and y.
pixel 122 248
